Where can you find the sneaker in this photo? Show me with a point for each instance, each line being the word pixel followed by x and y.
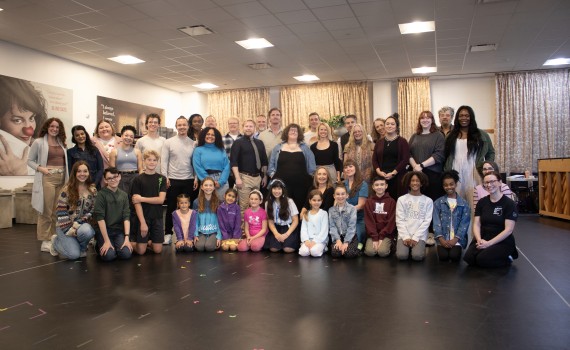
pixel 167 239
pixel 83 254
pixel 46 245
pixel 52 250
pixel 430 240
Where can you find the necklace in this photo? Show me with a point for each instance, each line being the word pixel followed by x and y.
pixel 389 141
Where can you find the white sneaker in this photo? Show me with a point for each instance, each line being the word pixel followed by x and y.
pixel 167 239
pixel 46 245
pixel 83 254
pixel 52 250
pixel 430 240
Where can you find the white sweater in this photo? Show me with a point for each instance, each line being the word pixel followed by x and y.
pixel 413 216
pixel 316 228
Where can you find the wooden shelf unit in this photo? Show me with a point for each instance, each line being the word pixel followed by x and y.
pixel 554 182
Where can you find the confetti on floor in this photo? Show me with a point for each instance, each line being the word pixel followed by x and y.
pixel 233 316
pixel 196 301
pixel 220 311
pixel 202 275
pixel 188 260
pixel 182 267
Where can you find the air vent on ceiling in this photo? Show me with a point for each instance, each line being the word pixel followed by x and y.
pixel 483 47
pixel 492 1
pixel 196 30
pixel 258 66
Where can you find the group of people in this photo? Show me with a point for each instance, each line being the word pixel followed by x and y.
pixel 276 188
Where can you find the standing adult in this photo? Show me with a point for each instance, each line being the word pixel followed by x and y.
pixel 326 152
pixel 49 159
pixel 176 166
pixel 85 150
pixel 105 140
pixel 248 161
pixel 378 133
pixel 349 122
pixel 152 140
pixel 260 124
pixel 426 153
pixel 74 212
pixel 391 156
pixel 493 242
pixel 210 160
pixel 272 136
pixel 126 158
pixel 359 149
pixel 195 123
pixel 229 139
pixel 287 160
pixel 466 149
pixel 211 122
pixel 445 116
pixel 311 136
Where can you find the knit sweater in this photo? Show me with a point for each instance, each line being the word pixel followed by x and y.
pixel 81 214
pixel 210 157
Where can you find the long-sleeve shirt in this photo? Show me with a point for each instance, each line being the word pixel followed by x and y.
pixel 380 217
pixel 176 158
pixel 229 220
pixel 207 221
pixel 113 207
pixel 179 230
pixel 413 216
pixel 316 228
pixel 81 214
pixel 94 162
pixel 210 157
pixel 342 223
pixel 424 146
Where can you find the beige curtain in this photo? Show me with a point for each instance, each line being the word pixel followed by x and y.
pixel 327 99
pixel 414 96
pixel 241 103
pixel 533 118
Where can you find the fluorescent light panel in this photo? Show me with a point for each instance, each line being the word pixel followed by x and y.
pixel 255 43
pixel 206 86
pixel 307 77
pixel 557 62
pixel 424 70
pixel 126 59
pixel 417 27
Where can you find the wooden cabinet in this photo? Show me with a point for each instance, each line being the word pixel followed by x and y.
pixel 554 182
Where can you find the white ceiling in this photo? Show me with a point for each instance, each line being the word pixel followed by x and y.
pixel 337 40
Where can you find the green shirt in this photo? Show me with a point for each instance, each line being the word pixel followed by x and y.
pixel 113 207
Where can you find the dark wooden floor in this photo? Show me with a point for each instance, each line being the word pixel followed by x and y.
pixel 276 301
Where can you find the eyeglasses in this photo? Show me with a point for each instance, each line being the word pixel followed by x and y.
pixel 488 169
pixel 487 183
pixel 113 178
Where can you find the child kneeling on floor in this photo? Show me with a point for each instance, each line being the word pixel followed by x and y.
pixel 314 227
pixel 342 226
pixel 380 220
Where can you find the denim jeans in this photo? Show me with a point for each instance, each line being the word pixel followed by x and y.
pixel 117 238
pixel 71 246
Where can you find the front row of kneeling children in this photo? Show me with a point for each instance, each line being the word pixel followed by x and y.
pixel 403 225
pixel 211 225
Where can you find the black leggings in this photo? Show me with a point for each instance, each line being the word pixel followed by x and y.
pixel 446 254
pixel 495 256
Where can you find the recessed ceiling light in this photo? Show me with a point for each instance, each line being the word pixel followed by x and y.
pixel 206 86
pixel 256 43
pixel 417 27
pixel 196 30
pixel 557 62
pixel 126 59
pixel 307 77
pixel 424 70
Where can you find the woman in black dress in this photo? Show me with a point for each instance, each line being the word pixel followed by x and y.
pixel 289 159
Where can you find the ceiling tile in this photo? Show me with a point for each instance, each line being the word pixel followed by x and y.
pixel 277 6
pixel 333 12
pixel 293 17
pixel 248 9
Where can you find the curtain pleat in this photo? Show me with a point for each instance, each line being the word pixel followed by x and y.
pixel 414 96
pixel 241 103
pixel 327 99
pixel 533 110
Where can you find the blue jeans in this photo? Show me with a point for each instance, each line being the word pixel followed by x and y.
pixel 71 247
pixel 117 238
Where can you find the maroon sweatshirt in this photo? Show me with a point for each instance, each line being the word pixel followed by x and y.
pixel 380 217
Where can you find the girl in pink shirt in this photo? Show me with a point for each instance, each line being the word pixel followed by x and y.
pixel 255 224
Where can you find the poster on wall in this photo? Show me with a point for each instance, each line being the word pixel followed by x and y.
pixel 24 107
pixel 120 113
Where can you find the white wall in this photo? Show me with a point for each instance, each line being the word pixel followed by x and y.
pixel 86 82
pixel 192 102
